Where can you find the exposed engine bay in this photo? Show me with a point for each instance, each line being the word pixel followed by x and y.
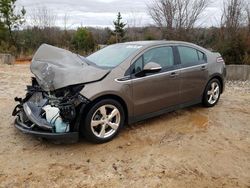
pixel 50 112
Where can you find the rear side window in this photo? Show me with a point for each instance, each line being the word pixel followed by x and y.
pixel 190 56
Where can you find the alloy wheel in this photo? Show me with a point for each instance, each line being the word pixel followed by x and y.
pixel 105 121
pixel 213 93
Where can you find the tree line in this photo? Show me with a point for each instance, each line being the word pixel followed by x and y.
pixel 173 20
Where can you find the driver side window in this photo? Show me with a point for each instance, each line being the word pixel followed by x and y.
pixel 161 55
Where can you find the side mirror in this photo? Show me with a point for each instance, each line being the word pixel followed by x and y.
pixel 152 67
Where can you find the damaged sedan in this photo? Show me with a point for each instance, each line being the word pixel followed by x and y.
pixel 95 96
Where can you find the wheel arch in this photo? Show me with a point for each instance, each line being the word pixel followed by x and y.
pixel 219 78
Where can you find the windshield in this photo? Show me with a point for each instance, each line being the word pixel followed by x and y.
pixel 113 55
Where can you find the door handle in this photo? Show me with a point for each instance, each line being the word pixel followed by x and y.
pixel 203 67
pixel 173 74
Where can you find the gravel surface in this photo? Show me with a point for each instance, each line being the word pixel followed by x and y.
pixel 192 147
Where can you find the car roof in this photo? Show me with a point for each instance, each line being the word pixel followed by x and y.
pixel 148 43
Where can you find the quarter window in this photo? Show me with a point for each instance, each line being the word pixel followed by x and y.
pixel 138 65
pixel 201 56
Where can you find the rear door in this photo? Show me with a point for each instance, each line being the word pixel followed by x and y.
pixel 194 73
pixel 155 91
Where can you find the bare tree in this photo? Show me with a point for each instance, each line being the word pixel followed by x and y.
pixel 134 22
pixel 233 16
pixel 43 17
pixel 176 15
pixel 134 19
pixel 248 16
pixel 163 12
pixel 65 21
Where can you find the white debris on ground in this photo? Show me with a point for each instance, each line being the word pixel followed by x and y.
pixel 243 86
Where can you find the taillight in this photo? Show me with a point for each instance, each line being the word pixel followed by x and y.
pixel 219 60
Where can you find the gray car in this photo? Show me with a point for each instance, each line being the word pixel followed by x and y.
pixel 121 83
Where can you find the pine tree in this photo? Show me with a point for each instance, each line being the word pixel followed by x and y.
pixel 83 41
pixel 9 18
pixel 119 28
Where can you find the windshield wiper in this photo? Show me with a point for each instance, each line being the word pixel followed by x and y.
pixel 82 58
pixel 85 60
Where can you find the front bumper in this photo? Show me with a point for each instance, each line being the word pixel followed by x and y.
pixel 29 121
pixel 70 137
pixel 31 117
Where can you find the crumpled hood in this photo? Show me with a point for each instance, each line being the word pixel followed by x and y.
pixel 56 68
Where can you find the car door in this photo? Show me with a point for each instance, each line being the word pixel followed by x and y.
pixel 155 91
pixel 194 73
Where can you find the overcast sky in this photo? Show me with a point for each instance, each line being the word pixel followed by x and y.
pixel 101 13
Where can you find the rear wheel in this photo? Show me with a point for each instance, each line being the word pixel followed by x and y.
pixel 103 121
pixel 212 93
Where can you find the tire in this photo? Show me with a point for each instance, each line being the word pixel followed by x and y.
pixel 103 121
pixel 211 95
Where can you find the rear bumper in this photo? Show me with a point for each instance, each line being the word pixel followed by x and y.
pixel 70 137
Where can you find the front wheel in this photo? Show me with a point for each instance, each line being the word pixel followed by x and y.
pixel 103 121
pixel 212 93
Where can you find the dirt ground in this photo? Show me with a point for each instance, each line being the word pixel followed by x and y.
pixel 193 147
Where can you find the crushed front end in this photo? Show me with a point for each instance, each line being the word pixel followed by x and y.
pixel 52 115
